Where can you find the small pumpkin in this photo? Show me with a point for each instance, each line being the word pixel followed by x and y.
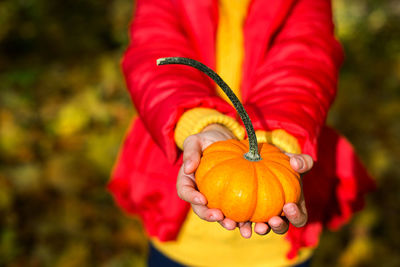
pixel 247 190
pixel 247 181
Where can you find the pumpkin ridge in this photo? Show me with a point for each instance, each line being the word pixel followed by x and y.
pixel 206 157
pixel 283 170
pixel 256 194
pixel 289 169
pixel 234 153
pixel 241 145
pixel 232 184
pixel 221 198
pixel 272 174
pixel 220 146
pixel 271 198
pixel 269 148
pixel 223 195
pixel 220 163
pixel 273 157
pixel 295 181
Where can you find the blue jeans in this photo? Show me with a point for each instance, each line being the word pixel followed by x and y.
pixel 157 259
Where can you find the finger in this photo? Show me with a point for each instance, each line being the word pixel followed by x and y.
pixel 295 215
pixel 191 154
pixel 301 162
pixel 210 215
pixel 228 224
pixel 278 225
pixel 261 228
pixel 186 189
pixel 245 229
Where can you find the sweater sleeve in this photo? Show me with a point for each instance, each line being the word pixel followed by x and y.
pixel 296 81
pixel 195 120
pixel 161 94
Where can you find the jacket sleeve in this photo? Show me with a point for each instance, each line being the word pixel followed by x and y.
pixel 296 81
pixel 161 94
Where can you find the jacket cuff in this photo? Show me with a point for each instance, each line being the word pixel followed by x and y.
pixel 195 120
pixel 281 139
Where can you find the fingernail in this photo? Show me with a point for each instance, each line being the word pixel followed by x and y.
pixel 212 218
pixel 290 210
pixel 299 163
pixel 197 200
pixel 188 165
pixel 247 234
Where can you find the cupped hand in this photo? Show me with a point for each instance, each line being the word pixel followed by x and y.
pixel 193 147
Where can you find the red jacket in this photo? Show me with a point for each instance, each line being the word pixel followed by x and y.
pixel 289 82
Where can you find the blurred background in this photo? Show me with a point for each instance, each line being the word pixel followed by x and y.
pixel 64 110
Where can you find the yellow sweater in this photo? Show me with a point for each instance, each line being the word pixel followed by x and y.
pixel 202 243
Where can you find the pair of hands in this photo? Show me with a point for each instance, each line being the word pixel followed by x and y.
pixel 193 147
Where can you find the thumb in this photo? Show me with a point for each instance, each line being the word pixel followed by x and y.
pixel 191 154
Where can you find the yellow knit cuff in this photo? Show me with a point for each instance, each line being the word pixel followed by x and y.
pixel 195 120
pixel 281 139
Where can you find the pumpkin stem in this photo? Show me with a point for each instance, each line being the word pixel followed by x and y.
pixel 253 154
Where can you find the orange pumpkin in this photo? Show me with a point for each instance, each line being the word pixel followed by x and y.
pixel 252 186
pixel 247 190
